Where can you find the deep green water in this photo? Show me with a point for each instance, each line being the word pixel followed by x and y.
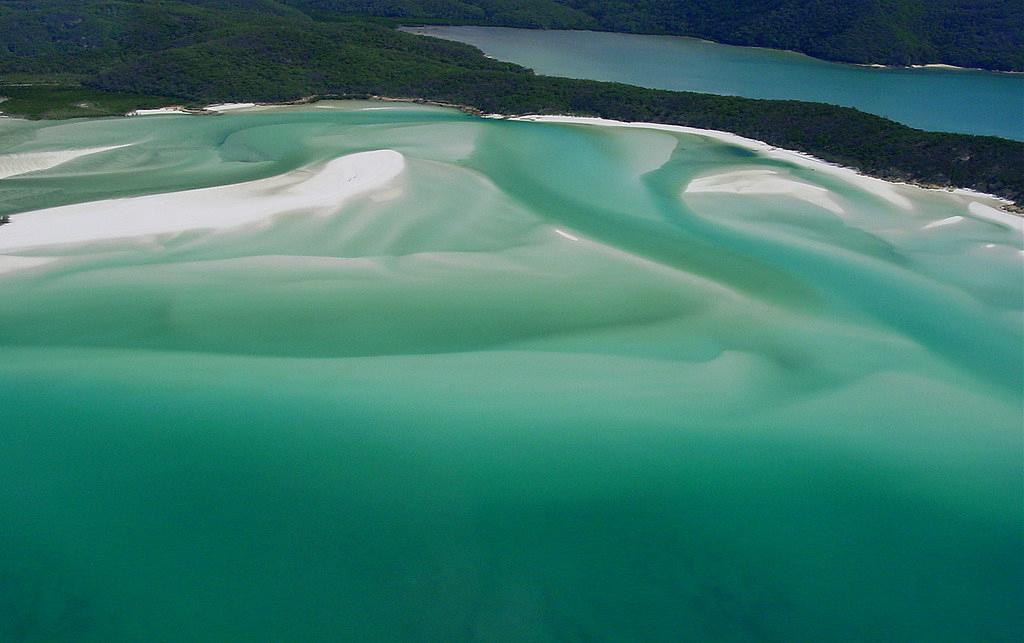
pixel 966 101
pixel 427 415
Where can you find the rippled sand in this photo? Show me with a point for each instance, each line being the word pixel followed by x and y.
pixel 337 373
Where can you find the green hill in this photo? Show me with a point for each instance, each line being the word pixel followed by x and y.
pixel 97 57
pixel 970 33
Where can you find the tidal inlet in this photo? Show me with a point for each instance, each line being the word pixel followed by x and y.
pixel 379 372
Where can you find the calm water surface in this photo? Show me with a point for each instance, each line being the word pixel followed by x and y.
pixel 972 102
pixel 547 383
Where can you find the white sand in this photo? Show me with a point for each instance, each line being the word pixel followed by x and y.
pixel 943 222
pixel 158 111
pixel 9 263
pixel 17 164
pixel 886 190
pixel 994 215
pixel 936 66
pixel 319 190
pixel 178 109
pixel 227 107
pixel 763 182
pixel 878 187
pixel 940 66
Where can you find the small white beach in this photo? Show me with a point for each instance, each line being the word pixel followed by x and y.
pixel 229 107
pixel 159 111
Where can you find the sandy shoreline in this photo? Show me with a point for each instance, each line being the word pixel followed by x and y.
pixel 955 68
pixel 880 187
pixel 313 189
pixel 728 137
pixel 23 163
pixel 762 182
pixel 216 108
pixel 321 188
pixel 934 66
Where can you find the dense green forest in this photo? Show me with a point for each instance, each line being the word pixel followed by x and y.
pixel 969 33
pixel 92 57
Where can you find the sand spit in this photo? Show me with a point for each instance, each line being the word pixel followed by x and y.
pixel 10 263
pixel 881 188
pixel 934 66
pixel 993 215
pixel 318 189
pixel 943 222
pixel 23 163
pixel 763 182
pixel 886 190
pixel 956 68
pixel 229 107
pixel 159 111
pixel 217 108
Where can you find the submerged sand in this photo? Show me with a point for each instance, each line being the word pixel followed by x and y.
pixel 315 189
pixel 479 379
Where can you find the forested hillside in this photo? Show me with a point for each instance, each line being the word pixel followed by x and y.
pixel 969 33
pixel 93 57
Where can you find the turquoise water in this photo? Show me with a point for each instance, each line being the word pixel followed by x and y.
pixel 549 382
pixel 971 102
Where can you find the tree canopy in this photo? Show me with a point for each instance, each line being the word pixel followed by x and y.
pixel 94 57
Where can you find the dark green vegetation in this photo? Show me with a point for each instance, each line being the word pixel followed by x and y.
pixel 969 33
pixel 124 53
pixel 69 101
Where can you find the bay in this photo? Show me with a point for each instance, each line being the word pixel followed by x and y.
pixel 944 100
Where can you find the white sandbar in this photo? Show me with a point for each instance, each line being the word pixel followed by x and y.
pixel 227 107
pixel 993 215
pixel 938 66
pixel 23 163
pixel 10 263
pixel 318 189
pixel 764 182
pixel 943 222
pixel 158 111
pixel 878 187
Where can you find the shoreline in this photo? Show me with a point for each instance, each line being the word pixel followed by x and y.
pixel 49 233
pixel 216 108
pixel 1004 205
pixel 417 29
pixel 1014 215
pixel 318 189
pixel 941 66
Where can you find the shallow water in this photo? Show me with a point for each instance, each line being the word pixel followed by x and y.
pixel 944 100
pixel 550 382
